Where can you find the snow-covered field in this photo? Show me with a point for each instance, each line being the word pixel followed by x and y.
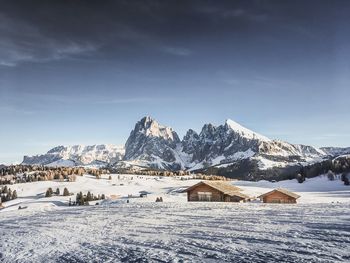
pixel 316 229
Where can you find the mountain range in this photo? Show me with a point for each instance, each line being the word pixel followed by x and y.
pixel 78 155
pixel 154 146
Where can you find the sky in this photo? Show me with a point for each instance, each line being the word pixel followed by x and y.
pixel 84 72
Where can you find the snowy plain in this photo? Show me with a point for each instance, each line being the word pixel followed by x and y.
pixel 316 229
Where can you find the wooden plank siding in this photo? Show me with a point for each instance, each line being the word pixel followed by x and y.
pixel 193 195
pixel 278 197
pixel 216 196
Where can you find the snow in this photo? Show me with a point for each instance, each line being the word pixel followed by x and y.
pixel 223 161
pixel 343 156
pixel 78 155
pixel 217 160
pixel 314 190
pixel 245 132
pixel 62 162
pixel 32 194
pixel 314 230
pixel 173 232
pixel 265 164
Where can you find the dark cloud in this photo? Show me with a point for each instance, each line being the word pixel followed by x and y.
pixel 50 30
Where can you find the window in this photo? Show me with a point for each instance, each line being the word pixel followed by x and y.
pixel 204 196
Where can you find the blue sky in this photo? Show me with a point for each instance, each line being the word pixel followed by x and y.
pixel 84 73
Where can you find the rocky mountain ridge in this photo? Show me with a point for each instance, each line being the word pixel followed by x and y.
pixel 154 146
pixel 78 155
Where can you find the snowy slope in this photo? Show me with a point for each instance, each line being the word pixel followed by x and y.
pixel 244 132
pixel 314 190
pixel 336 151
pixel 314 230
pixel 169 232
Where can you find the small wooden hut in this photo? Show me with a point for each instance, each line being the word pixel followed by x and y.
pixel 279 195
pixel 215 191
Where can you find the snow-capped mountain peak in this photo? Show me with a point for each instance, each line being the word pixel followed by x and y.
pixel 151 127
pixel 149 142
pixel 244 132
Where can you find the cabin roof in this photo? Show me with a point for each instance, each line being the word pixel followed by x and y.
pixel 221 186
pixel 283 191
pixel 241 195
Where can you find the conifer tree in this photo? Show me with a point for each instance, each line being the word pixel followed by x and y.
pixel 14 194
pixel 49 192
pixel 88 196
pixel 65 192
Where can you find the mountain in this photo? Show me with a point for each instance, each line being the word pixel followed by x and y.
pixel 230 142
pixel 336 151
pixel 77 155
pixel 152 145
pixel 227 149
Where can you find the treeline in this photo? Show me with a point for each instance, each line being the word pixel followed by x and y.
pixel 85 199
pixel 207 177
pixel 339 165
pixel 81 199
pixel 7 194
pixel 28 173
pixel 173 173
pixel 151 172
pixel 50 192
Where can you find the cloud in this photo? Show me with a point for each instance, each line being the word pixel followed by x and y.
pixel 126 100
pixel 23 42
pixel 41 32
pixel 177 51
pixel 73 100
pixel 15 110
pixel 224 12
pixel 254 80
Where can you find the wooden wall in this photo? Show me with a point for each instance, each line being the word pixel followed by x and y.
pixel 278 197
pixel 217 196
pixel 234 199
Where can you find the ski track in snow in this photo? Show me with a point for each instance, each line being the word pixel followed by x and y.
pixel 179 232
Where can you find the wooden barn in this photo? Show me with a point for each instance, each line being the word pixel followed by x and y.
pixel 279 195
pixel 215 191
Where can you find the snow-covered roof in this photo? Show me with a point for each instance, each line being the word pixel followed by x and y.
pixel 283 191
pixel 221 186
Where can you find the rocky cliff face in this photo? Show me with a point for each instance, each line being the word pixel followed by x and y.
pixel 221 143
pixel 157 146
pixel 154 145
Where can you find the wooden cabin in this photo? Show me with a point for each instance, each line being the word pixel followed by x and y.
pixel 279 195
pixel 215 191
